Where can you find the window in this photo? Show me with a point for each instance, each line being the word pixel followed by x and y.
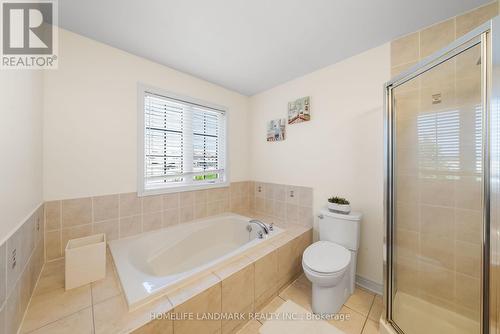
pixel 182 144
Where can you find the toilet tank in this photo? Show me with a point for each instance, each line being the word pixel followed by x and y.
pixel 340 228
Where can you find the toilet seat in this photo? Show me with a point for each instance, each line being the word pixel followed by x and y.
pixel 326 258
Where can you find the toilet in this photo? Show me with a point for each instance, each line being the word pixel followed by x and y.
pixel 330 263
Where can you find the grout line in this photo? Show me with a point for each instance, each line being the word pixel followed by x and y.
pixel 92 306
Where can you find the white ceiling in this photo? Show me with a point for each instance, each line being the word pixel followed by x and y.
pixel 251 45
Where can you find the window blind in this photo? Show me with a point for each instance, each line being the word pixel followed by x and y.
pixel 184 143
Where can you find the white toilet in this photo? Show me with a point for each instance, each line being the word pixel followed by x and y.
pixel 330 263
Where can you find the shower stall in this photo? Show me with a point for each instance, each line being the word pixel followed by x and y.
pixel 442 153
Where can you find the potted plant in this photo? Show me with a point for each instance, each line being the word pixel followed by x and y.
pixel 339 205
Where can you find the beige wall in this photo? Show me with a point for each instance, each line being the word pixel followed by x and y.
pixel 21 147
pixel 90 118
pixel 338 152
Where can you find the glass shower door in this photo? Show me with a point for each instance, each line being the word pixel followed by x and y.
pixel 438 198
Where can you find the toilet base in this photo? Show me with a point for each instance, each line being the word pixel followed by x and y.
pixel 328 300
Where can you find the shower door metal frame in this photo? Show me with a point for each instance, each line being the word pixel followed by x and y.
pixel 485 35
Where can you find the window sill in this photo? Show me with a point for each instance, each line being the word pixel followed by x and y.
pixel 178 189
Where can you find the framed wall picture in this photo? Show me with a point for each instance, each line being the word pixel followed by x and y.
pixel 276 129
pixel 299 110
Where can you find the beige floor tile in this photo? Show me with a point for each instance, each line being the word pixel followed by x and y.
pixel 51 278
pixel 252 327
pixel 76 323
pixel 371 327
pixel 299 292
pixel 112 315
pixel 377 308
pixel 54 305
pixel 352 323
pixel 361 301
pixel 107 287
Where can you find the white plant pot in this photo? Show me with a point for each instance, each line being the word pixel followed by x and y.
pixel 339 208
pixel 85 260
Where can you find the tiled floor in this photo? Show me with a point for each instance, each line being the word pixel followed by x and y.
pixel 100 307
pixel 363 306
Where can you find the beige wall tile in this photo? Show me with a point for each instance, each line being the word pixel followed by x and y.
pixel 237 296
pixel 407 216
pixel 438 250
pixel 200 197
pixel 113 316
pixel 251 327
pixel 152 221
pixel 2 320
pixel 474 18
pixel 207 301
pixel 292 213
pixel 269 194
pixel 130 205
pixel 74 233
pixel 398 69
pixel 111 228
pixel 437 221
pixel 170 217
pixel 76 212
pixel 200 210
pixel 292 195
pixel 152 204
pixel 437 192
pixel 105 207
pixel 405 49
pixel 468 258
pixel 468 291
pixel 187 198
pixel 13 313
pixel 436 37
pixel 53 215
pixel 171 201
pixel 436 281
pixel 468 193
pixel 186 214
pixel 3 273
pixel 163 326
pixel 53 245
pixel 286 264
pixel 468 224
pixel 130 226
pixel 266 278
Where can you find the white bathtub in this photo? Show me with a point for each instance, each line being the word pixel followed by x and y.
pixel 150 263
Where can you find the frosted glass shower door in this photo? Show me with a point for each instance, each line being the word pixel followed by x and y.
pixel 438 201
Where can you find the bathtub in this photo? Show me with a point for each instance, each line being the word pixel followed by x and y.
pixel 150 263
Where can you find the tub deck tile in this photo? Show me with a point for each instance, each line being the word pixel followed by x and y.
pixel 192 288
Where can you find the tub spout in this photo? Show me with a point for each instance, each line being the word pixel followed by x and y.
pixel 261 224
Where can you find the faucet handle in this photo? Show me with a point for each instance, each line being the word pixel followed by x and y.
pixel 260 235
pixel 271 227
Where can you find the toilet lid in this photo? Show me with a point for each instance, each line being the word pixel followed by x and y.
pixel 326 257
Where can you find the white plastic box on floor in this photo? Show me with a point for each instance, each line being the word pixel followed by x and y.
pixel 85 260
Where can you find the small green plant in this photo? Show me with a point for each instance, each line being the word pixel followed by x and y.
pixel 338 200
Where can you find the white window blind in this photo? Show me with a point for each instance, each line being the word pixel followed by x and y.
pixel 184 143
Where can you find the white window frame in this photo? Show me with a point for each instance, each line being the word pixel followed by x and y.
pixel 142 90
